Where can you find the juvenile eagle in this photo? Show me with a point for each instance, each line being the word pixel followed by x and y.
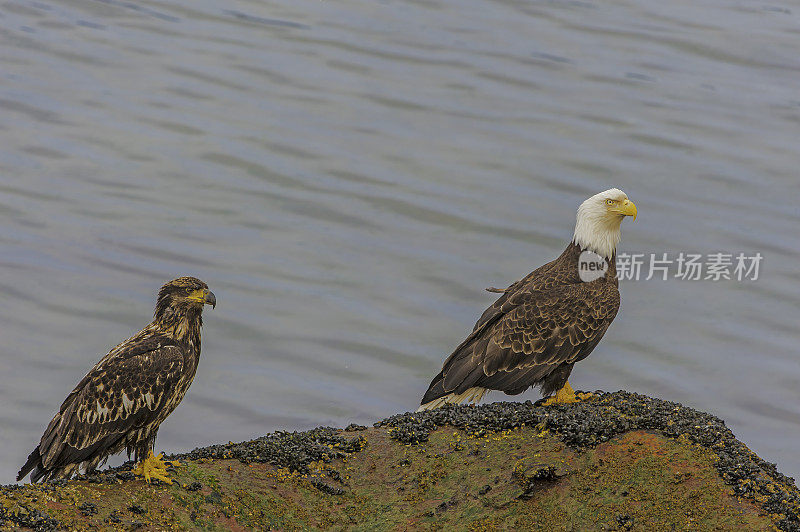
pixel 544 323
pixel 121 402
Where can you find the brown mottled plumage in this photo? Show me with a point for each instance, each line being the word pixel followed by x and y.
pixel 544 323
pixel 122 401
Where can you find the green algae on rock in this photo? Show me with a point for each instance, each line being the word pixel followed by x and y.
pixel 589 423
pixel 620 462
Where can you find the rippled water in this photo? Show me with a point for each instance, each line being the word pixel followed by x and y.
pixel 348 176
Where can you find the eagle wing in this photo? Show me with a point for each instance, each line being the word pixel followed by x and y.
pixel 526 335
pixel 124 392
pixel 544 278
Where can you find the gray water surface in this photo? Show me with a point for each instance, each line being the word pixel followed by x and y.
pixel 348 176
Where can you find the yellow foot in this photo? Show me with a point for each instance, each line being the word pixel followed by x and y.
pixel 566 395
pixel 153 467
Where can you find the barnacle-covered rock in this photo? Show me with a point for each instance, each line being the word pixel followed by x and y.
pixel 620 461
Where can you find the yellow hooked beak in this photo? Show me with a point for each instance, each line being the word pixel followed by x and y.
pixel 625 208
pixel 204 296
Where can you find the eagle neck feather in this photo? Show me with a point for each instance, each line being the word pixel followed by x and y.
pixel 182 324
pixel 596 231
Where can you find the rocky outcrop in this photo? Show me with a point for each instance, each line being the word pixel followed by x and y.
pixel 619 461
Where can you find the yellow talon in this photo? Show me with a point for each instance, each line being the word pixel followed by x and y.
pixel 153 467
pixel 566 395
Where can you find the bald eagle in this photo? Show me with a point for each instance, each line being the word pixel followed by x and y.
pixel 546 322
pixel 121 402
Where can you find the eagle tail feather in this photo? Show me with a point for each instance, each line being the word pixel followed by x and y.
pixel 34 464
pixel 473 395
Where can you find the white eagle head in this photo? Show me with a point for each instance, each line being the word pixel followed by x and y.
pixel 597 226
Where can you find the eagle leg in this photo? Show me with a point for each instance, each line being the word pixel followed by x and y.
pixel 153 467
pixel 566 395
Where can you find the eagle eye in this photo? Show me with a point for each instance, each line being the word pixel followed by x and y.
pixel 609 202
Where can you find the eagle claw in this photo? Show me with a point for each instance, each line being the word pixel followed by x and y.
pixel 153 467
pixel 567 395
